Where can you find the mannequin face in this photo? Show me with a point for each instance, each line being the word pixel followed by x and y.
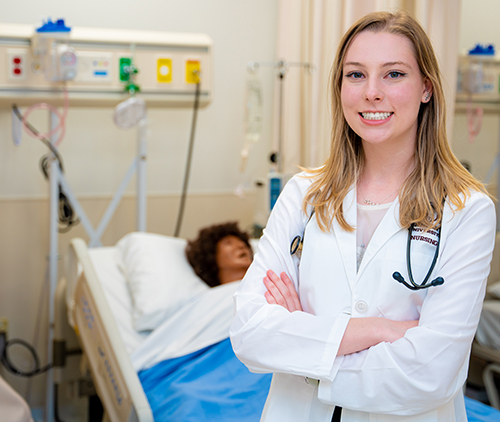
pixel 233 255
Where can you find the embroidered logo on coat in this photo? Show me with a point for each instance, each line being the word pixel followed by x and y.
pixel 429 236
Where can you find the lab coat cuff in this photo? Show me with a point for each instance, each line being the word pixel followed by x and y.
pixel 330 363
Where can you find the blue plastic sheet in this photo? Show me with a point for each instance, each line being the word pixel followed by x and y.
pixel 208 385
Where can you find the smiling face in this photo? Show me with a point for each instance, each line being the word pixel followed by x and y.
pixel 382 89
pixel 232 256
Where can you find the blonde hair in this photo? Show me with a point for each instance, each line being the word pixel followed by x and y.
pixel 437 174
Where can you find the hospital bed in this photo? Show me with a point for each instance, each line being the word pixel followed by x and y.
pixel 155 337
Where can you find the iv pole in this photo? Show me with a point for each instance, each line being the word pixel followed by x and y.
pixel 56 177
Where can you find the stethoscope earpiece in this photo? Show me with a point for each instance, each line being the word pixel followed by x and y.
pixel 437 281
pixel 398 277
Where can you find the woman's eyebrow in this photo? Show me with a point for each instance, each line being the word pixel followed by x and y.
pixel 397 63
pixel 357 64
pixel 387 64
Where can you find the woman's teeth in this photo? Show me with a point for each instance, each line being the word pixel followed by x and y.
pixel 375 116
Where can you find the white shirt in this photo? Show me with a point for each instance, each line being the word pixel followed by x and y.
pixel 369 217
pixel 417 378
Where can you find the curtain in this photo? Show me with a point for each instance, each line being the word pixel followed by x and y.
pixel 309 32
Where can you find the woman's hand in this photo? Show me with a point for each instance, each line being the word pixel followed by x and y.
pixel 281 291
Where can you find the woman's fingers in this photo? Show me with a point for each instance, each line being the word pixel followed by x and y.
pixel 273 292
pixel 293 296
pixel 281 291
pixel 270 299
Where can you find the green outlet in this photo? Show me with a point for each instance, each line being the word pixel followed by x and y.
pixel 125 63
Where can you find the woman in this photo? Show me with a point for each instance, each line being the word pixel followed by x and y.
pixel 342 332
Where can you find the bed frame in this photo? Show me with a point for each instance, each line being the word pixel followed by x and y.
pixel 114 377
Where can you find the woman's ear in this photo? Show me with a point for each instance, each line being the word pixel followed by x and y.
pixel 427 94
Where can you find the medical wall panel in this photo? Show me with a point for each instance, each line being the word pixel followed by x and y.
pixel 169 65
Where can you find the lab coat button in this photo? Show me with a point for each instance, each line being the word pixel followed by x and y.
pixel 361 306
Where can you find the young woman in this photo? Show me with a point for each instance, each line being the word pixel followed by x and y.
pixel 346 327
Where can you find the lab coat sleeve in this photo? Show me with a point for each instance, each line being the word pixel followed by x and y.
pixel 268 338
pixel 428 367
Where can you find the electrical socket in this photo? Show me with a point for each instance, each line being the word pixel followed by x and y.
pixel 4 325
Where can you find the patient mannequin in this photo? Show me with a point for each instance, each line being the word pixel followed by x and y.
pixel 220 254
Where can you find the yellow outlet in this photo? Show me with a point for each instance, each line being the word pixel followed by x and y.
pixel 164 70
pixel 193 71
pixel 4 325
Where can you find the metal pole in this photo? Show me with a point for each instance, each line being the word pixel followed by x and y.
pixel 141 175
pixel 53 262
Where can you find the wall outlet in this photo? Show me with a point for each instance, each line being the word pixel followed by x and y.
pixel 4 325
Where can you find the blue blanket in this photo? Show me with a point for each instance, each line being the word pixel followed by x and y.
pixel 479 412
pixel 208 385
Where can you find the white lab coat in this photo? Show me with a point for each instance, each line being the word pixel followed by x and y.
pixel 417 378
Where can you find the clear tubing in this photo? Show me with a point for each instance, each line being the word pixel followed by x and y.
pixel 61 126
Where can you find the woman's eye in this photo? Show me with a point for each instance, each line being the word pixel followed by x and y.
pixel 355 75
pixel 395 75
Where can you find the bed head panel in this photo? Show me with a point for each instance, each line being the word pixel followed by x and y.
pixel 116 381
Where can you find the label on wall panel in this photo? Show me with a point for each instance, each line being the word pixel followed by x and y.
pixel 94 67
pixel 193 69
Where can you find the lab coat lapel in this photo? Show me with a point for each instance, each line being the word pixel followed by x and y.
pixel 387 228
pixel 345 239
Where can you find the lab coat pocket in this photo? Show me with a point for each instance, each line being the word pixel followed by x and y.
pixel 394 299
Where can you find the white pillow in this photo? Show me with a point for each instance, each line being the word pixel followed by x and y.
pixel 159 277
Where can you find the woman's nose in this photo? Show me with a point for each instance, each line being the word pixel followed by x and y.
pixel 373 92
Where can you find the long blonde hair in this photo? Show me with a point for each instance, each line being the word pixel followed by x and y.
pixel 438 175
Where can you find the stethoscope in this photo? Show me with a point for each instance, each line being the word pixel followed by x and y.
pixel 298 242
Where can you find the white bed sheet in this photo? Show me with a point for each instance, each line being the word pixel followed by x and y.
pixel 203 321
pixel 106 264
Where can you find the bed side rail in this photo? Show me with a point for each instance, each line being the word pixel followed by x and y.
pixel 115 379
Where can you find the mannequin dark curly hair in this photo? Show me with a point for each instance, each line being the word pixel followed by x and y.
pixel 201 252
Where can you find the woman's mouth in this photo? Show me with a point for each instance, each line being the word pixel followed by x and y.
pixel 376 116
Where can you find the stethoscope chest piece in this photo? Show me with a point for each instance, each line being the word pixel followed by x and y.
pixel 296 246
pixel 298 241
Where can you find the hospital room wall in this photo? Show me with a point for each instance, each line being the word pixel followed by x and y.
pixel 479 24
pixel 97 154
